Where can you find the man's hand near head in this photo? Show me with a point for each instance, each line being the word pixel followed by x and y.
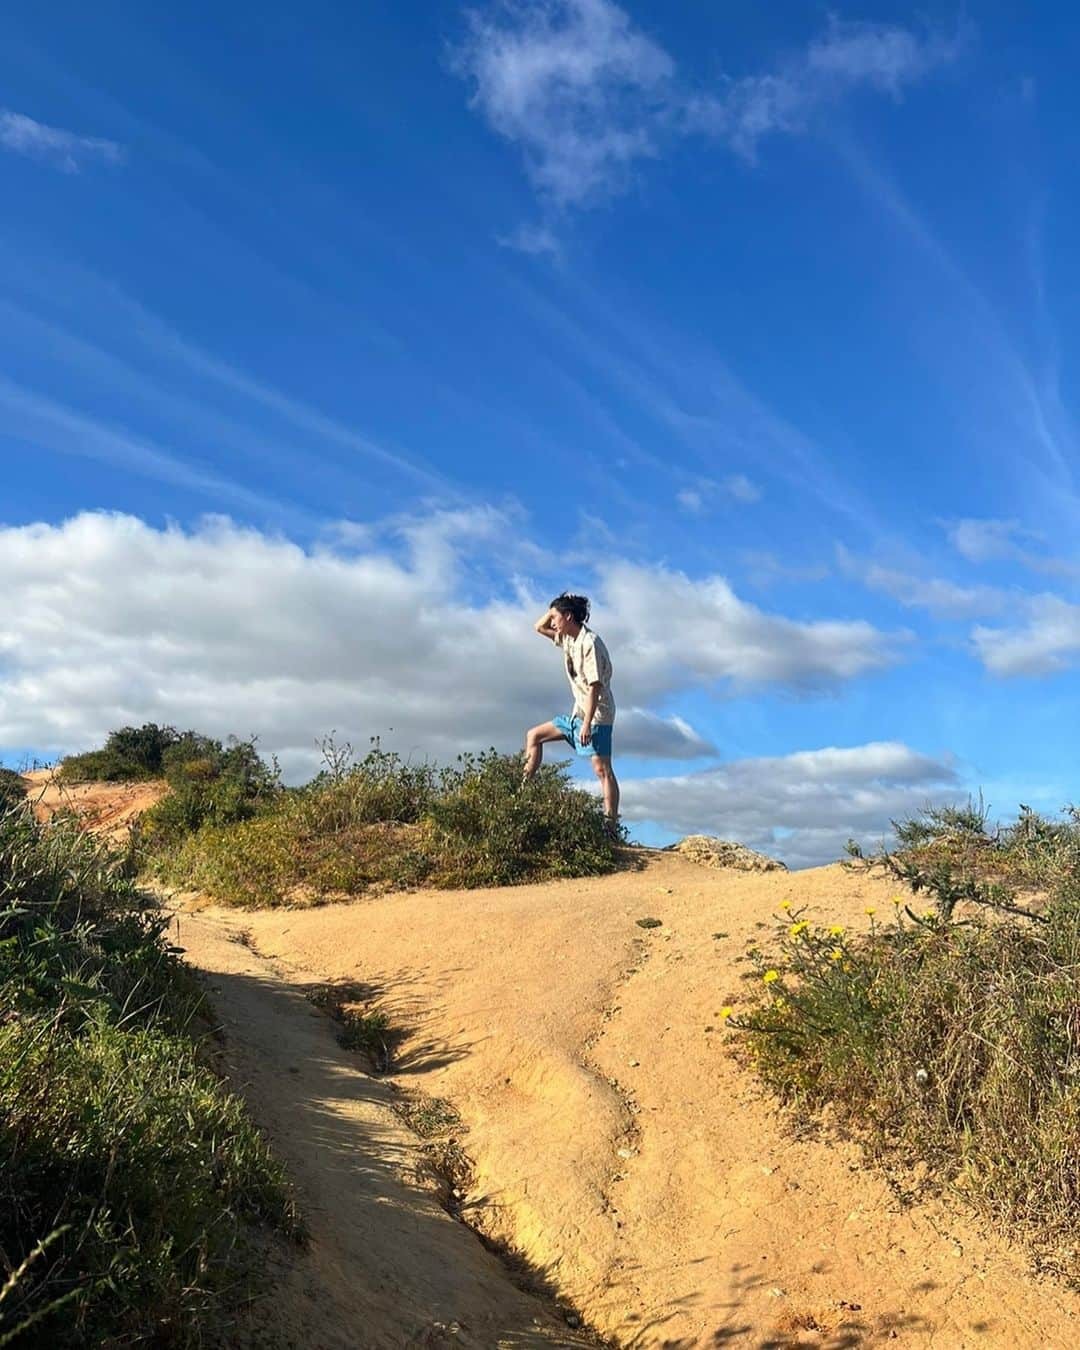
pixel 544 625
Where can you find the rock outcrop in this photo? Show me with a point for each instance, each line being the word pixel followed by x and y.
pixel 712 852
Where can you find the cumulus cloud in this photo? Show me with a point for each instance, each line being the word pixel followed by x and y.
pixel 722 638
pixel 802 807
pixel 65 150
pixel 586 95
pixel 1049 640
pixel 110 621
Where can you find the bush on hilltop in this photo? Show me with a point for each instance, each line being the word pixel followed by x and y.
pixel 382 823
pixel 13 788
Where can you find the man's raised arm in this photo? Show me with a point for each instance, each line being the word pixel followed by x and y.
pixel 543 625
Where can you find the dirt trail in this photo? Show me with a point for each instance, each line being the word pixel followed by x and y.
pixel 385 1266
pixel 616 1144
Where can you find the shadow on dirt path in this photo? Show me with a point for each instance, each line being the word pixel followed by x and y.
pixel 385 1265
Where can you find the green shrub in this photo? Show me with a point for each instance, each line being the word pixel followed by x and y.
pixel 948 1036
pixel 487 832
pixel 13 788
pixel 383 823
pixel 380 787
pixel 116 1145
pixel 209 784
pixel 128 753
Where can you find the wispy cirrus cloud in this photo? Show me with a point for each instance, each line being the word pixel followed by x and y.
pixel 48 424
pixel 736 487
pixel 65 150
pixel 989 540
pixel 938 595
pixel 537 240
pixel 848 56
pixel 586 95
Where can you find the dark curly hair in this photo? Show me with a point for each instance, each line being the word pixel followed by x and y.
pixel 576 606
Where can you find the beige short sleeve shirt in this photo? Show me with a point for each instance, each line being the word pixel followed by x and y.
pixel 587 663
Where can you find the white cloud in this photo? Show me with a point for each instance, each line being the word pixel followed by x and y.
pixel 737 487
pixel 802 807
pixel 535 240
pixel 986 540
pixel 672 631
pixel 849 56
pixel 108 621
pixel 936 594
pixel 765 568
pixel 586 95
pixel 1048 642
pixel 652 736
pixel 64 149
pixel 570 81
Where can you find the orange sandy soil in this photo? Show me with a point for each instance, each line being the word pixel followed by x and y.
pixel 107 807
pixel 618 1146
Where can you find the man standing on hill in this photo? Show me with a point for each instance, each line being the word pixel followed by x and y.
pixel 588 729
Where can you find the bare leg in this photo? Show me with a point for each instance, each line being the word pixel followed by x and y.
pixel 609 785
pixel 535 740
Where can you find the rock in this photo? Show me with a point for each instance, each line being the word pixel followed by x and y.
pixel 712 852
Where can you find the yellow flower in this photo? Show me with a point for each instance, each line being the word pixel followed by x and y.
pixel 725 1013
pixel 871 910
pixel 797 928
pixel 771 975
pixel 836 931
pixel 928 913
pixel 897 900
pixel 785 904
pixel 837 954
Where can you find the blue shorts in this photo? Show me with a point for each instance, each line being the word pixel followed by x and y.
pixel 600 743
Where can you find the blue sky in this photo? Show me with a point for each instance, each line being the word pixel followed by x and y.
pixel 334 339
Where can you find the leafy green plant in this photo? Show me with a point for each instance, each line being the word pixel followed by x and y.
pixel 122 1151
pixel 128 753
pixel 383 823
pixel 209 784
pixel 947 1036
pixel 13 788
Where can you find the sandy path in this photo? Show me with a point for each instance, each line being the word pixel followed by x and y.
pixel 616 1144
pixel 385 1265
